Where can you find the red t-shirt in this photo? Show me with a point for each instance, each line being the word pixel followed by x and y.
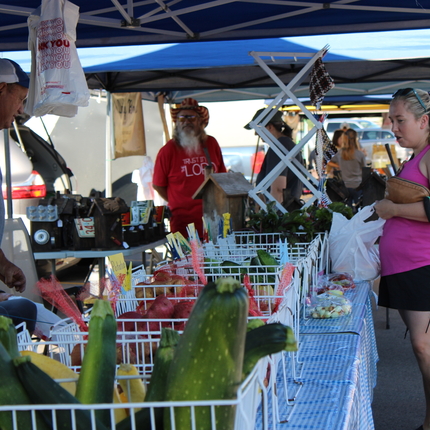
pixel 182 175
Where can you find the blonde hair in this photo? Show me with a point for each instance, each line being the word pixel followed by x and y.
pixel 350 144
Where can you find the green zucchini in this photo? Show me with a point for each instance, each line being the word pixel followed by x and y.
pixel 156 391
pixel 265 340
pixel 13 393
pixel 8 336
pixel 43 390
pixel 208 360
pixel 254 323
pixel 270 263
pixel 97 375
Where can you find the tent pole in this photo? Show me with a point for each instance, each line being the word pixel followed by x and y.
pixel 109 137
pixel 8 175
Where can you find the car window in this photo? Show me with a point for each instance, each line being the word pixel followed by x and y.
pixel 387 135
pixel 369 135
pixel 332 126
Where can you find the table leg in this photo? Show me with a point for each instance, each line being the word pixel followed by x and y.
pixel 102 268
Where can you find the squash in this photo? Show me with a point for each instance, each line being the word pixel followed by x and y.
pixel 208 360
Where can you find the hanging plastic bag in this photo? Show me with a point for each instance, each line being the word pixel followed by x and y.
pixel 57 85
pixel 352 244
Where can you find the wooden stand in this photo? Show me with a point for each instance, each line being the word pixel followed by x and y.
pixel 223 193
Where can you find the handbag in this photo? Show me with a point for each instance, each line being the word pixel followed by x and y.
pixel 400 190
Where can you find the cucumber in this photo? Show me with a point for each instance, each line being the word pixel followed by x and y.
pixel 208 360
pixel 13 393
pixel 97 376
pixel 156 391
pixel 265 340
pixel 43 390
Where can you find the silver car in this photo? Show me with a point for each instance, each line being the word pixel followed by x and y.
pixel 37 170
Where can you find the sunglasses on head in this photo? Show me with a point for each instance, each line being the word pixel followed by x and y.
pixel 406 91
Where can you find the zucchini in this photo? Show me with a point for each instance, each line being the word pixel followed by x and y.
pixel 265 340
pixel 43 390
pixel 156 391
pixel 208 360
pixel 13 393
pixel 55 369
pixel 163 357
pixel 271 264
pixel 97 376
pixel 254 323
pixel 8 336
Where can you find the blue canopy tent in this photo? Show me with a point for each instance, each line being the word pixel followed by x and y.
pixel 224 71
pixel 135 22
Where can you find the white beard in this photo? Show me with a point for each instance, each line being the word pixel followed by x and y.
pixel 189 141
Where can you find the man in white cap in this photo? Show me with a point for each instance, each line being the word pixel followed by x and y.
pixel 180 165
pixel 14 85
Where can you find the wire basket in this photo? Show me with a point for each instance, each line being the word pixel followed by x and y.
pixel 250 395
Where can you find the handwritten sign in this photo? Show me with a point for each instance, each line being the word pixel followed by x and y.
pixel 120 270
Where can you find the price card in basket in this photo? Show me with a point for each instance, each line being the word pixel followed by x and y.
pixel 85 227
pixel 122 273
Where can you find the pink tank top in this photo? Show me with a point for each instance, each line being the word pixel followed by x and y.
pixel 405 244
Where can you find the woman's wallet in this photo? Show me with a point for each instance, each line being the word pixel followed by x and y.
pixel 400 190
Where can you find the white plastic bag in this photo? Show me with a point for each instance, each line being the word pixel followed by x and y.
pixel 57 85
pixel 352 244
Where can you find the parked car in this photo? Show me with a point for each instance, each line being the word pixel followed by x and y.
pixel 373 140
pixel 332 124
pixel 37 170
pixel 243 158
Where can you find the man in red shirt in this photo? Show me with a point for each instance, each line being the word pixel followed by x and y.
pixel 180 165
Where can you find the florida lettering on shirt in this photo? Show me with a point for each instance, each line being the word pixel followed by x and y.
pixel 194 166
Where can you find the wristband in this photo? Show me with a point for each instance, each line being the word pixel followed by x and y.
pixel 426 202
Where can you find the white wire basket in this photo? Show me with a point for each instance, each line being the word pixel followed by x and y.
pixel 250 395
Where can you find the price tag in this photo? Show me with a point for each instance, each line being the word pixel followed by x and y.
pixel 85 227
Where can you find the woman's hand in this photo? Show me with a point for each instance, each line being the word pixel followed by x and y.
pixel 385 209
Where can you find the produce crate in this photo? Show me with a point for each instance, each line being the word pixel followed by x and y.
pixel 250 395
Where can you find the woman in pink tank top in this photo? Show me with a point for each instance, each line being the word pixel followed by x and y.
pixel 405 242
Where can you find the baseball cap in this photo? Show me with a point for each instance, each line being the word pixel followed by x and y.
pixel 11 73
pixel 276 118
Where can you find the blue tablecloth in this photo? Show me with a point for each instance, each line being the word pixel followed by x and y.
pixel 329 384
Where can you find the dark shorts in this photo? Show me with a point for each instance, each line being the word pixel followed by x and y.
pixel 407 290
pixel 20 310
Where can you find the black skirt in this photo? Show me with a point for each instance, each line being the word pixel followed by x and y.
pixel 406 290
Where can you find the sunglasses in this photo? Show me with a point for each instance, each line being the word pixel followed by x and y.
pixel 406 91
pixel 183 118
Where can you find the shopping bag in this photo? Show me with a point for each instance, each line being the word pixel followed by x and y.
pixel 352 246
pixel 57 84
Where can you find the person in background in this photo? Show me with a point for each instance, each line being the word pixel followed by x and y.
pixel 14 85
pixel 180 165
pixel 287 179
pixel 350 161
pixel 404 246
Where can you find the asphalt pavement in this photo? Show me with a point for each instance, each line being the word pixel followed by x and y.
pixel 398 398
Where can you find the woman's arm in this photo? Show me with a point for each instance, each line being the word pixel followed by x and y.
pixel 386 209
